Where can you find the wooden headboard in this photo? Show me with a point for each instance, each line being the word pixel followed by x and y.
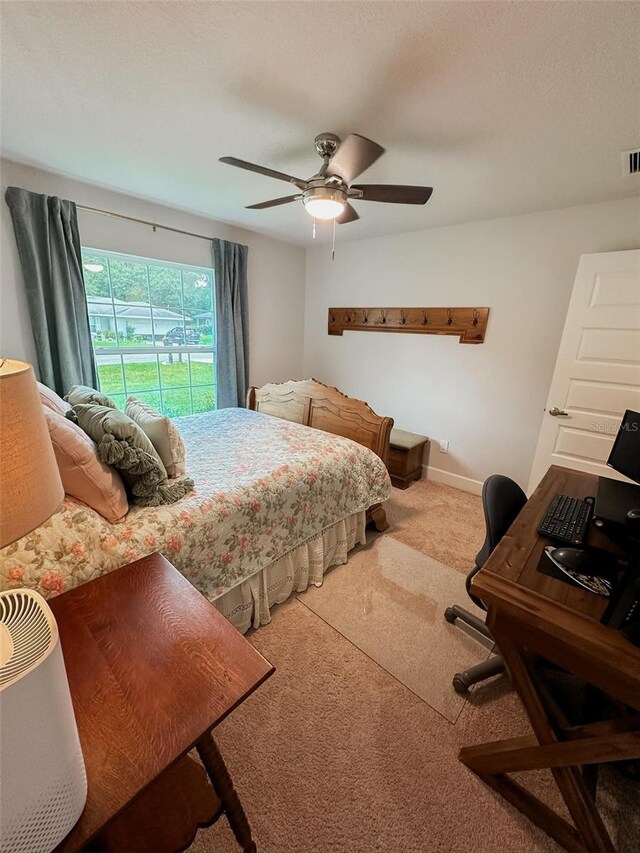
pixel 315 404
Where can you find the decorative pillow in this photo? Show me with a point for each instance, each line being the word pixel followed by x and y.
pixel 85 394
pixel 51 401
pixel 83 475
pixel 162 433
pixel 124 445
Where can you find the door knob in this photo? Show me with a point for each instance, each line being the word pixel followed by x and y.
pixel 558 413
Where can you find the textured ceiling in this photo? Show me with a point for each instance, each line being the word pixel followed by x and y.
pixel 503 108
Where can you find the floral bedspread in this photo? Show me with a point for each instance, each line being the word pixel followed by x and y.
pixel 263 487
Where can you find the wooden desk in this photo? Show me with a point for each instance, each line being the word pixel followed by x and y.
pixel 153 668
pixel 532 613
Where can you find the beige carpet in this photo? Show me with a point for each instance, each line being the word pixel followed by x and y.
pixel 334 754
pixel 442 522
pixel 389 602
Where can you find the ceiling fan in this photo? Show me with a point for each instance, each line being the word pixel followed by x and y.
pixel 327 195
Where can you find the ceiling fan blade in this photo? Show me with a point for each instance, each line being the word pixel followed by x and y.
pixel 262 170
pixel 355 154
pixel 274 202
pixel 349 214
pixel 394 193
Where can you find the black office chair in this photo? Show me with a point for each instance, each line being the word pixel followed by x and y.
pixel 502 500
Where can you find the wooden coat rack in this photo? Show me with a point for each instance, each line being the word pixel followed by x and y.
pixel 468 324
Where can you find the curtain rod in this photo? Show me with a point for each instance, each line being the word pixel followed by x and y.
pixel 153 225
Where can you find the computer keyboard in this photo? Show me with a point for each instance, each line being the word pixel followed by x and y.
pixel 567 519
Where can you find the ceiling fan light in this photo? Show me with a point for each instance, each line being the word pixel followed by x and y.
pixel 324 208
pixel 324 202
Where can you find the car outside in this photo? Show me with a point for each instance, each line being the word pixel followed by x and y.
pixel 182 336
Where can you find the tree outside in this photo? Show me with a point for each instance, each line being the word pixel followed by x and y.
pixel 164 287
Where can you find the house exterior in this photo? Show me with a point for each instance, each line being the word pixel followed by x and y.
pixel 148 322
pixel 204 319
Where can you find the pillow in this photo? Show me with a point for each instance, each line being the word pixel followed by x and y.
pixel 162 433
pixel 85 394
pixel 83 475
pixel 51 401
pixel 124 445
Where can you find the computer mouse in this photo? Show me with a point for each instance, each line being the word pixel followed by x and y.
pixel 574 559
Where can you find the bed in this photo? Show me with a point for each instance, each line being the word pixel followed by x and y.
pixel 284 489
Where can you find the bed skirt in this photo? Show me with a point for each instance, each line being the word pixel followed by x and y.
pixel 249 604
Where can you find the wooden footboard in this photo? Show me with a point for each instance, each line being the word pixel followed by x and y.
pixel 315 404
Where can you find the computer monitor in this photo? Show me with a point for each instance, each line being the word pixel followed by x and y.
pixel 614 498
pixel 625 453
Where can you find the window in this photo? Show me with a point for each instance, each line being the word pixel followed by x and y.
pixel 153 330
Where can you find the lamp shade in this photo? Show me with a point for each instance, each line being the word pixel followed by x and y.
pixel 30 485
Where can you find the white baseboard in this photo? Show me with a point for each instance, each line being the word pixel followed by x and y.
pixel 455 480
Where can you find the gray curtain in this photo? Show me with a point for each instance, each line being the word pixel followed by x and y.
pixel 46 229
pixel 232 322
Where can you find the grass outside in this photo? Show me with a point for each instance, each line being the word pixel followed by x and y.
pixel 166 389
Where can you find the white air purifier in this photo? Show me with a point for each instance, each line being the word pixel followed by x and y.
pixel 43 784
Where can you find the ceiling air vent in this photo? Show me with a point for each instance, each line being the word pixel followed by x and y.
pixel 631 162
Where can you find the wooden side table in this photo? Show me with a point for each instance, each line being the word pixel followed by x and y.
pixel 153 668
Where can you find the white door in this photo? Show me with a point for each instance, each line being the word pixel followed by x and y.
pixel 597 374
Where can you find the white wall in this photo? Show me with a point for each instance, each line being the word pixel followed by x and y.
pixel 486 400
pixel 276 268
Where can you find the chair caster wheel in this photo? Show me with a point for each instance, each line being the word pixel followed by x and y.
pixel 449 615
pixel 459 685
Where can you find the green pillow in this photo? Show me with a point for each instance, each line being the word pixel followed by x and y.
pixel 124 445
pixel 85 394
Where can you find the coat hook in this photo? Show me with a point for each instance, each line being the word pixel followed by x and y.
pixel 425 319
pixel 403 318
pixel 449 318
pixel 476 315
pixel 332 319
pixel 348 317
pixel 383 317
pixel 365 316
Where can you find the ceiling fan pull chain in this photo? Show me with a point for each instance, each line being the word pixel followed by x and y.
pixel 333 245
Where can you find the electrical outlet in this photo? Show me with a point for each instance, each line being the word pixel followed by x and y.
pixel 443 446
